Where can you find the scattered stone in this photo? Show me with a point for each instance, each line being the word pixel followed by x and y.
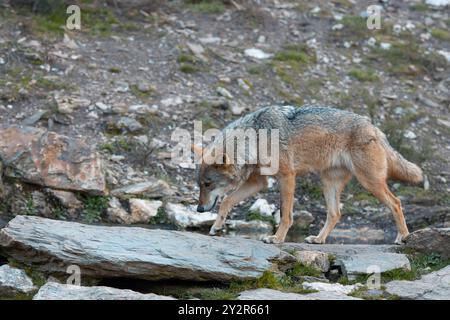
pixel 66 198
pixel 358 259
pixel 57 291
pixel 410 135
pixel 34 118
pixel 116 213
pixel 153 188
pixel 188 217
pixel 143 210
pixel 244 85
pixel 302 219
pixel 171 101
pixel 433 286
pixel 253 226
pixel 122 87
pixel 315 259
pixel 385 45
pixel 224 93
pixel 67 105
pixel 438 3
pixel 133 252
pixel 270 294
pixel 236 109
pixel 368 263
pixel 445 54
pixel 359 235
pixel 257 53
pixel 129 124
pixel 197 50
pixel 14 281
pixel 103 107
pixel 331 287
pixel 263 207
pixel 430 240
pixel 51 160
pixel 444 123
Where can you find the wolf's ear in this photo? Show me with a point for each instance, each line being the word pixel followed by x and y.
pixel 197 150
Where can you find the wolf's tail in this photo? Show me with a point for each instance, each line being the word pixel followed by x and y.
pixel 398 167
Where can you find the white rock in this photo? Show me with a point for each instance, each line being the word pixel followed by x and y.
pixel 102 106
pixel 438 3
pixel 2 61
pixel 197 50
pixel 57 291
pixel 142 210
pixel 270 294
pixel 445 54
pixel 116 213
pixel 372 41
pixel 316 259
pixel 257 53
pixel 224 92
pixel 331 287
pixel 210 40
pixel 338 26
pixel 433 286
pixel 263 207
pixel 410 135
pixel 188 217
pixel 236 109
pixel 14 281
pixel 385 45
pixel 172 101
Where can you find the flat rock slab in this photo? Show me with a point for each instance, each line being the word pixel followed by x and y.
pixel 270 294
pixel 52 160
pixel 105 251
pixel 359 259
pixel 433 286
pixel 14 281
pixel 56 291
pixel 430 240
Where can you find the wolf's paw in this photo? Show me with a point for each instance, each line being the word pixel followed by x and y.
pixel 400 239
pixel 214 231
pixel 313 240
pixel 272 239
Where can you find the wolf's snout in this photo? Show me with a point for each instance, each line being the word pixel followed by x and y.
pixel 200 208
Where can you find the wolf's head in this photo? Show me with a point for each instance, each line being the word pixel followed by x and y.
pixel 216 178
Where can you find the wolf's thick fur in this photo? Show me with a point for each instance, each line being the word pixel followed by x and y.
pixel 334 143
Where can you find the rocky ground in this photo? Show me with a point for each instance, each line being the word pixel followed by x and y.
pixel 99 106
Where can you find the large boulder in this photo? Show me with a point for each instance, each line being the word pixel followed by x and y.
pixel 430 240
pixel 48 159
pixel 433 286
pixel 105 251
pixel 56 291
pixel 358 259
pixel 14 281
pixel 270 294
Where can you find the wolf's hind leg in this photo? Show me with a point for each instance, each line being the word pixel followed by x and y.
pixel 371 171
pixel 381 191
pixel 253 185
pixel 334 182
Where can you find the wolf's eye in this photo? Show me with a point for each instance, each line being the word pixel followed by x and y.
pixel 207 184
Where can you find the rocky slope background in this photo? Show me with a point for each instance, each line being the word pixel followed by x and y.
pixel 86 118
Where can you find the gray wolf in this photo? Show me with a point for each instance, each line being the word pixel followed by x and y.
pixel 333 143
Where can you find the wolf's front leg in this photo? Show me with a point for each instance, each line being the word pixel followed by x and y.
pixel 287 190
pixel 254 184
